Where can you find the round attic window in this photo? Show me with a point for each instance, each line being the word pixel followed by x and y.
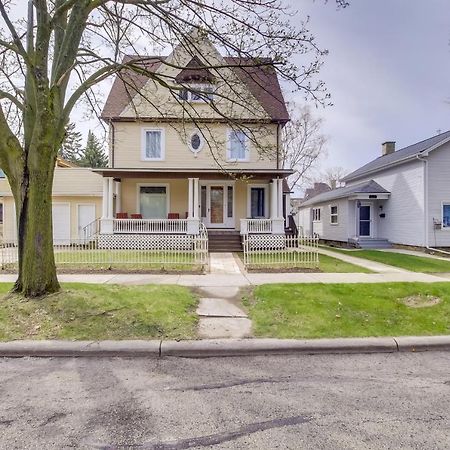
pixel 196 142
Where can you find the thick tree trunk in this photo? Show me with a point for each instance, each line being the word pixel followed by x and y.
pixel 37 270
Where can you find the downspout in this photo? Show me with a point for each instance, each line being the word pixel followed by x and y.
pixel 425 193
pixel 113 141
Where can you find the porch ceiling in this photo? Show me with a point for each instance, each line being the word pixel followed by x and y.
pixel 193 173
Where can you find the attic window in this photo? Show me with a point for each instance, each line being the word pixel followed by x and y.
pixel 198 93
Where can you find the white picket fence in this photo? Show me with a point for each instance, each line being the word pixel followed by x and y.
pixel 280 251
pixel 156 252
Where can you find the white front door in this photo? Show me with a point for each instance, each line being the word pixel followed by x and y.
pixel 365 221
pixel 61 223
pixel 218 211
pixel 86 216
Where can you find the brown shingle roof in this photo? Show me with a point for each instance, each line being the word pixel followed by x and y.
pixel 260 78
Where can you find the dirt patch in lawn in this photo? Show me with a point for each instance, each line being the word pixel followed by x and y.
pixel 421 301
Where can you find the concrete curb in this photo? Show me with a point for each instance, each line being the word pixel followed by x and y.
pixel 221 347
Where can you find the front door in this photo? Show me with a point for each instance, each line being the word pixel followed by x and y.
pixel 219 210
pixel 365 221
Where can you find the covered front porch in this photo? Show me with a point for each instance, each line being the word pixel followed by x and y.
pixel 182 202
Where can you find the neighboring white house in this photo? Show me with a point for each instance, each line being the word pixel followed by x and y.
pixel 402 197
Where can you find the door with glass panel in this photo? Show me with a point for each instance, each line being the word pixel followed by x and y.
pixel 365 221
pixel 153 202
pixel 217 206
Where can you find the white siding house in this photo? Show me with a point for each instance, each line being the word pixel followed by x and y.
pixel 409 205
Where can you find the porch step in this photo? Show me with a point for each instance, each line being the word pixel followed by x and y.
pixel 224 241
pixel 373 244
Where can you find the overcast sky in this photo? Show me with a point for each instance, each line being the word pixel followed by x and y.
pixel 388 72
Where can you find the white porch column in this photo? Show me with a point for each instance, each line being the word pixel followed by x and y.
pixel 106 223
pixel 280 198
pixel 110 198
pixel 196 194
pixel 105 198
pixel 273 199
pixel 190 197
pixel 118 196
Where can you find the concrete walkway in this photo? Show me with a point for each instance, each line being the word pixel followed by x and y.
pixel 241 280
pixel 223 263
pixel 366 263
pixel 220 316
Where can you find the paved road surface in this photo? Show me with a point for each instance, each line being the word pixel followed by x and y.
pixel 388 401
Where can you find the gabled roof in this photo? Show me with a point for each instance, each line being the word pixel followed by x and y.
pixel 399 156
pixel 259 75
pixel 368 187
pixel 195 72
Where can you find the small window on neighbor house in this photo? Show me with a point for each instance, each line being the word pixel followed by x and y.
pixel 316 213
pixel 154 145
pixel 2 174
pixel 1 213
pixel 237 146
pixel 446 215
pixel 333 215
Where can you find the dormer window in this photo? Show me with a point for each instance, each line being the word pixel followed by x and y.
pixel 198 93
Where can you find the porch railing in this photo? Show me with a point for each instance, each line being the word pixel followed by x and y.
pixel 148 226
pixel 256 226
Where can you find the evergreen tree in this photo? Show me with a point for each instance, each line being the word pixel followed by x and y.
pixel 71 146
pixel 93 155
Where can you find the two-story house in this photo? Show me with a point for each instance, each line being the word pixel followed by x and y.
pixel 203 153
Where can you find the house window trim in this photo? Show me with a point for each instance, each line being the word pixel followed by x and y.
pixel 138 196
pixel 443 227
pixel 334 215
pixel 266 199
pixel 198 88
pixel 202 141
pixel 247 147
pixel 144 144
pixel 315 220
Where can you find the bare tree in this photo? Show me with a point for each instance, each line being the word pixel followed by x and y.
pixel 333 177
pixel 303 143
pixel 57 52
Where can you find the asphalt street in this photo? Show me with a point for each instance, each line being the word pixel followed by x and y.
pixel 378 401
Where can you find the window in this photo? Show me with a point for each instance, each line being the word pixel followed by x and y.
pixel 153 145
pixel 317 214
pixel 257 202
pixel 203 202
pixel 446 215
pixel 333 215
pixel 237 146
pixel 153 202
pixel 1 213
pixel 196 141
pixel 199 93
pixel 230 202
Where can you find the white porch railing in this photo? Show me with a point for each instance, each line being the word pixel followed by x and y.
pixel 256 226
pixel 150 226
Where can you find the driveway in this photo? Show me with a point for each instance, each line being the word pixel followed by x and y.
pixel 389 401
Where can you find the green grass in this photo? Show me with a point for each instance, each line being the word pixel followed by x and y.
pixel 327 264
pixel 83 311
pixel 347 310
pixel 403 261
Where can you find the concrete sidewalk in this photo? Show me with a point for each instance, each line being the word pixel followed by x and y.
pixel 366 263
pixel 221 347
pixel 241 280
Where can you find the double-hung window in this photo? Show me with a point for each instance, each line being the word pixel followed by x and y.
pixel 446 215
pixel 333 215
pixel 237 146
pixel 316 213
pixel 153 145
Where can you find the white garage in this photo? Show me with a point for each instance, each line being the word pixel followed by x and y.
pixel 61 223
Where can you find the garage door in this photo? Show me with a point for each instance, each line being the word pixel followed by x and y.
pixel 61 223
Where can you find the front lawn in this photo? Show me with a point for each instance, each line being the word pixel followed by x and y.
pixel 349 310
pixel 403 261
pixel 327 264
pixel 85 312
